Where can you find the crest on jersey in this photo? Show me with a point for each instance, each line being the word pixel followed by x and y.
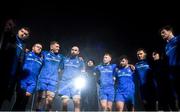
pixel 119 71
pixel 30 54
pixel 67 60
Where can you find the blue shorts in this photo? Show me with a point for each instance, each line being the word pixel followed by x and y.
pixel 106 94
pixel 28 85
pixel 68 89
pixel 125 97
pixel 47 85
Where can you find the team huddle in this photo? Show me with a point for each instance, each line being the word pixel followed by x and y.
pixel 37 72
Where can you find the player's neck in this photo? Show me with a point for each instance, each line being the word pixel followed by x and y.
pixel 170 37
pixel 106 63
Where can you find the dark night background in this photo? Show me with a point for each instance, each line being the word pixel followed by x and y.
pixel 118 28
pixel 96 27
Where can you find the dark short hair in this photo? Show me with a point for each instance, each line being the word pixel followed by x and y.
pixel 141 49
pixel 38 43
pixel 54 42
pixel 27 29
pixel 123 57
pixel 157 52
pixel 91 60
pixel 76 46
pixel 108 54
pixel 167 27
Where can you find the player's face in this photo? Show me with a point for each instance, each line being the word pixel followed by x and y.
pixel 155 56
pixel 37 48
pixel 90 63
pixel 75 51
pixel 123 62
pixel 141 55
pixel 55 48
pixel 106 59
pixel 165 34
pixel 23 34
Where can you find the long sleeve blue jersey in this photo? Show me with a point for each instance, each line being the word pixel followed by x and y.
pixel 143 70
pixel 145 79
pixel 31 68
pixel 173 51
pixel 19 56
pixel 51 64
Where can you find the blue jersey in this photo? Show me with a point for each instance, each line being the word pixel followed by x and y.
pixel 31 68
pixel 143 70
pixel 146 80
pixel 106 75
pixel 173 51
pixel 72 68
pixel 32 65
pixel 19 56
pixel 51 64
pixel 20 47
pixel 125 80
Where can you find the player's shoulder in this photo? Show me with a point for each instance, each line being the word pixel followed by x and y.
pixel 29 53
pixel 44 52
pixel 98 66
pixel 114 65
pixel 61 55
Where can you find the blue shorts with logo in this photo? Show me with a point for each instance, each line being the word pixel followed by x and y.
pixel 107 94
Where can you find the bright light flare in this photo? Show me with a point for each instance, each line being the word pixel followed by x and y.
pixel 80 82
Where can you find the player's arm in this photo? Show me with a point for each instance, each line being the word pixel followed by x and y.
pixel 61 65
pixel 132 67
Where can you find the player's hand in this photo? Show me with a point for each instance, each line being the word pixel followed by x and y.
pixel 132 67
pixel 81 58
pixel 27 50
pixel 28 94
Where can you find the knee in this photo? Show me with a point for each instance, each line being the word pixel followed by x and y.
pixel 77 101
pixel 65 101
pixel 50 96
pixel 103 106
